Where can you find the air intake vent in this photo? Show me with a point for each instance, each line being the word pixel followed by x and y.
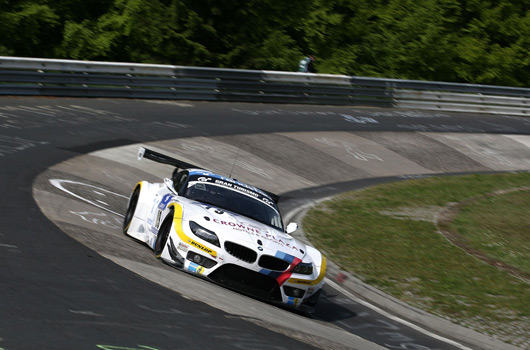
pixel 273 263
pixel 240 252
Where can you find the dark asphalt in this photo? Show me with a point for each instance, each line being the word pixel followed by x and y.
pixel 58 294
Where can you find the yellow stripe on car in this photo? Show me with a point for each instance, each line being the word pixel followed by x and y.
pixel 311 282
pixel 177 220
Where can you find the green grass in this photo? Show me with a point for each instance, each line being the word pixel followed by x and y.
pixel 386 235
pixel 498 226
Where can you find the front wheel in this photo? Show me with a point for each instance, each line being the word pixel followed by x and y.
pixel 163 234
pixel 129 215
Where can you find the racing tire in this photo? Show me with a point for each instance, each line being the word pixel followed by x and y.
pixel 129 215
pixel 163 234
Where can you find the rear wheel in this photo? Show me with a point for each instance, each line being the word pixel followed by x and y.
pixel 163 234
pixel 133 203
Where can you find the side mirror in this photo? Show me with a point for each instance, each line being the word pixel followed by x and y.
pixel 293 226
pixel 169 185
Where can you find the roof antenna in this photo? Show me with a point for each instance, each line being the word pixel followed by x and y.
pixel 235 160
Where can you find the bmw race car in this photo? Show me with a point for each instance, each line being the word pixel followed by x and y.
pixel 226 231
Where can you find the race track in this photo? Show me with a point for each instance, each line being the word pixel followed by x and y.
pixel 74 160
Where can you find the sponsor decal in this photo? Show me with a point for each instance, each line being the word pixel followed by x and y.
pixel 256 231
pixel 268 201
pixel 293 301
pixel 239 226
pixel 237 187
pixel 196 268
pixel 231 183
pixel 299 281
pixel 201 247
pixel 183 247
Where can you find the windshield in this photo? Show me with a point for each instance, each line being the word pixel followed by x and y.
pixel 236 202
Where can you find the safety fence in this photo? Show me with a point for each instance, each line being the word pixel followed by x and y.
pixel 52 77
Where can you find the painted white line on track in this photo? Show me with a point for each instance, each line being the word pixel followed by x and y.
pixel 392 317
pixel 59 184
pixel 88 313
pixel 8 246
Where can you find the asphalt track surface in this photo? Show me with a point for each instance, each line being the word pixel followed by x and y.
pixel 64 293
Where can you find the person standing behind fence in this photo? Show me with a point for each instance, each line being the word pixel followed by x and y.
pixel 306 65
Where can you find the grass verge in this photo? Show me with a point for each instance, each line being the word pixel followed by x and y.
pixel 387 236
pixel 498 226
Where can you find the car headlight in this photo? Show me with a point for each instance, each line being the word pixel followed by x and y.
pixel 303 269
pixel 203 233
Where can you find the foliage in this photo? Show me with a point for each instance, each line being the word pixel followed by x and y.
pixel 27 28
pixel 475 41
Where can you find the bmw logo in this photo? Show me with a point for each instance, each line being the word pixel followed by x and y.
pixel 260 249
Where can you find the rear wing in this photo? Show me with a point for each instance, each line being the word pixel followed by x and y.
pixel 179 164
pixel 162 158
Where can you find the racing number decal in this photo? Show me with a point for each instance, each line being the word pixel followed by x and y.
pixel 216 210
pixel 161 207
pixel 165 201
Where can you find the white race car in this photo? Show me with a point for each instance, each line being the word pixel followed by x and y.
pixel 226 231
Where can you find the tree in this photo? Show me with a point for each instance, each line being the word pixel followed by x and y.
pixel 475 41
pixel 28 29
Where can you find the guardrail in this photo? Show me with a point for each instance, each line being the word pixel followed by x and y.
pixel 52 77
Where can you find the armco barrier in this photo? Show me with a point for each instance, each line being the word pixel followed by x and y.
pixel 52 77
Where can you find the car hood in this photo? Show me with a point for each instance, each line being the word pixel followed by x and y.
pixel 242 230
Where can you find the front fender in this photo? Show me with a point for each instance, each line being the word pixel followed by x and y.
pixel 138 227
